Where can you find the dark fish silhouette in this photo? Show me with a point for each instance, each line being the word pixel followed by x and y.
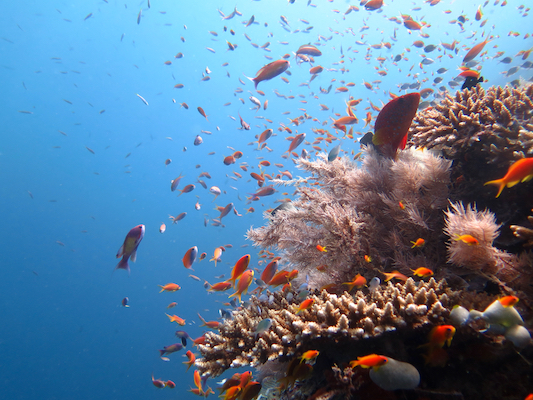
pixel 470 82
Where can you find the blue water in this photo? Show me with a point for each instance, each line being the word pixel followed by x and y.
pixel 66 211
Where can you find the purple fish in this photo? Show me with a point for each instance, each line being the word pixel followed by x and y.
pixel 129 247
pixel 171 349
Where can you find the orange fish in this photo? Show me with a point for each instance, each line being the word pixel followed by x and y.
pixel 220 286
pixel 186 189
pixel 169 384
pixel 519 171
pixel 280 278
pixel 270 71
pixel 269 271
pixel 239 268
pixel 197 379
pixel 422 272
pixel 373 5
pixel 209 324
pixel 170 287
pixel 190 257
pixel 468 239
pixel 309 355
pixel 441 335
pixel 419 243
pixel 172 305
pixel 321 248
pixel 176 319
pixel 372 360
pixel 216 255
pixel 298 139
pixel 305 305
pixel 393 122
pixel 508 301
pixel 474 51
pixel 394 274
pixel 162 228
pixel 358 282
pixel 158 383
pixel 244 283
pixel 192 358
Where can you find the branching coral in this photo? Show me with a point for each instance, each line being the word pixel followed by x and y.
pixel 332 319
pixel 497 123
pixel 375 210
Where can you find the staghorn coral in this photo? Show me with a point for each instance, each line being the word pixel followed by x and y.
pixel 497 123
pixel 483 132
pixel 375 210
pixel 332 319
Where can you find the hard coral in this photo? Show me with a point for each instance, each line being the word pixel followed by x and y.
pixel 332 319
pixel 375 210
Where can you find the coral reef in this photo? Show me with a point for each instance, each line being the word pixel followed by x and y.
pixel 345 318
pixel 377 210
pixel 483 132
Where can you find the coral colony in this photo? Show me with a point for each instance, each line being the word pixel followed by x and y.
pixel 404 276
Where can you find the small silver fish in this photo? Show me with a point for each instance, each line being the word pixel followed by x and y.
pixel 334 153
pixel 263 326
pixel 374 283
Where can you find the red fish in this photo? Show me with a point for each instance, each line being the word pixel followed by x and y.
pixel 220 286
pixel 269 271
pixel 474 51
pixel 372 360
pixel 393 122
pixel 158 383
pixel 305 305
pixel 129 247
pixel 192 358
pixel 270 71
pixel 519 171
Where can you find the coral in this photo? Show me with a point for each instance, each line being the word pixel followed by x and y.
pixel 497 123
pixel 483 132
pixel 523 233
pixel 375 210
pixel 482 255
pixel 332 319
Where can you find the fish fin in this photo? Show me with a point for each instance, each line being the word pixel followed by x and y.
pixel 120 252
pixel 123 264
pixel 377 138
pixel 527 178
pixel 500 183
pixel 403 143
pixel 133 256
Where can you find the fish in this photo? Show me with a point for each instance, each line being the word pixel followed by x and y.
pixel 441 335
pixel 183 336
pixel 418 243
pixel 321 248
pixel 142 99
pixel 422 272
pixel 305 305
pixel 192 358
pixel 468 239
pixel 190 257
pixel 309 355
pixel 298 139
pixel 175 182
pixel 220 286
pixel 374 283
pixel 172 305
pixel 238 269
pixel 209 324
pixel 372 360
pixel 393 122
pixel 270 71
pixel 216 191
pixel 474 51
pixel 519 171
pixel 216 255
pixel 373 5
pixel 128 250
pixel 158 383
pixel 358 282
pixel 169 287
pixel 187 189
pixel 244 283
pixel 471 82
pixel 394 274
pixel 176 319
pixel 269 271
pixel 202 112
pixel 263 326
pixel 171 349
pixel 125 302
pixel 309 50
pixel 334 153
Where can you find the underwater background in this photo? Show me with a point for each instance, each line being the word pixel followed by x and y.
pixel 82 158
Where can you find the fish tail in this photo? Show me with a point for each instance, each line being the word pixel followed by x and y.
pixel 498 182
pixel 123 264
pixel 162 352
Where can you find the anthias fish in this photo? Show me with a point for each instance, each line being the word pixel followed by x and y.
pixel 128 250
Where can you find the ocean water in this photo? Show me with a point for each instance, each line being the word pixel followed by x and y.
pixel 82 159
